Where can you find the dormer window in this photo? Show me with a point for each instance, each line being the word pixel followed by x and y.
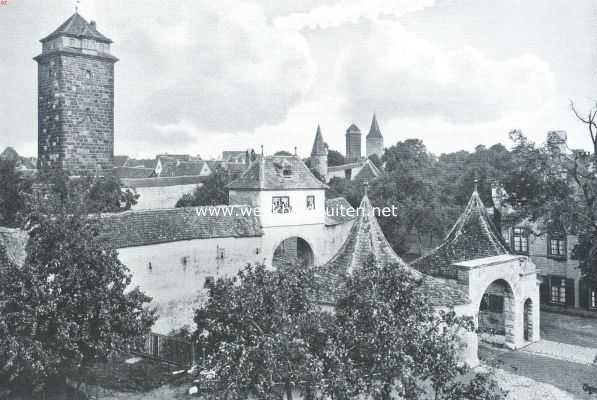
pixel 286 172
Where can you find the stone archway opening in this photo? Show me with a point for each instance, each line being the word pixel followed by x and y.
pixel 292 252
pixel 496 313
pixel 528 320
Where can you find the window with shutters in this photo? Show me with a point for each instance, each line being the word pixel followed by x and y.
pixel 520 240
pixel 593 298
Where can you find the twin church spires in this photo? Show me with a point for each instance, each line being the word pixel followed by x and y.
pixel 374 145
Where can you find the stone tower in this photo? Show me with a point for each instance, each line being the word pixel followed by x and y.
pixel 374 139
pixel 319 155
pixel 353 143
pixel 75 77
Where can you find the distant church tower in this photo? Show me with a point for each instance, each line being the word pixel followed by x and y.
pixel 374 139
pixel 353 143
pixel 75 77
pixel 319 155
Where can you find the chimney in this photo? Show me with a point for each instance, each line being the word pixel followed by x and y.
pixel 92 23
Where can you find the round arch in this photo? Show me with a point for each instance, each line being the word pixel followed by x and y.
pixel 496 313
pixel 293 251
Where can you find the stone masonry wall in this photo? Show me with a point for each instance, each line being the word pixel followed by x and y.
pixel 75 112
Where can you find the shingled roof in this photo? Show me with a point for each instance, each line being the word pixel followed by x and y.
pixel 146 227
pixel 374 131
pixel 365 239
pixel 318 143
pixel 78 27
pixel 368 173
pixel 277 173
pixel 474 235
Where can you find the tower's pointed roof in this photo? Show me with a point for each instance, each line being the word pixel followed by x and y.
pixel 474 235
pixel 318 144
pixel 365 239
pixel 353 129
pixel 374 131
pixel 77 26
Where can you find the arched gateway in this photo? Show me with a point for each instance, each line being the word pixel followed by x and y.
pixel 503 287
pixel 292 251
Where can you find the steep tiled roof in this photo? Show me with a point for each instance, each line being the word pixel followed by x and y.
pixel 173 167
pixel 145 162
pixel 342 167
pixel 374 131
pixel 368 172
pixel 353 129
pixel 473 236
pixel 146 227
pixel 119 161
pixel 318 143
pixel 179 157
pixel 365 239
pixel 78 27
pixel 277 173
pixel 163 181
pixel 133 172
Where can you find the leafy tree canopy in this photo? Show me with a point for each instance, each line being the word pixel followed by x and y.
pixel 14 190
pixel 68 306
pixel 212 192
pixel 335 158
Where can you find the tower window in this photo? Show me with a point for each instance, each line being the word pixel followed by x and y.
pixel 88 74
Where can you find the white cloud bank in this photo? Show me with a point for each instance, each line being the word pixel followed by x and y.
pixel 400 75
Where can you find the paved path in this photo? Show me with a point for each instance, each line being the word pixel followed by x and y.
pixel 565 375
pixel 580 331
pixel 562 351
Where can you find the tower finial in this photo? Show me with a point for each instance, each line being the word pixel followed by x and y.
pixel 262 150
pixel 365 188
pixel 476 181
pixel 295 154
pixel 77 6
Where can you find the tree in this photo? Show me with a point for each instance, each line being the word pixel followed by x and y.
pixel 89 193
pixel 283 153
pixel 335 158
pixel 14 190
pixel 584 175
pixel 261 333
pixel 68 306
pixel 352 191
pixel 211 193
pixel 388 342
pixel 408 155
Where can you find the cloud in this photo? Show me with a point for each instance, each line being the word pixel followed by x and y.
pixel 222 66
pixel 397 74
pixel 351 11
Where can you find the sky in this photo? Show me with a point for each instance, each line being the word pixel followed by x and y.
pixel 200 77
